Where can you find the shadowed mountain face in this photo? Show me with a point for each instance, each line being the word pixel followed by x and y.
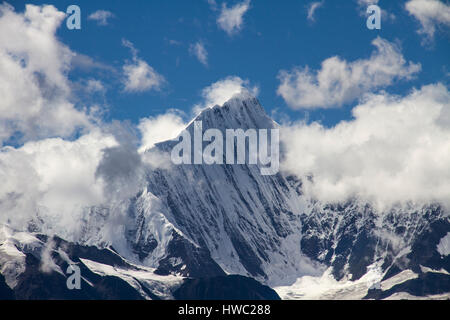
pixel 206 221
pixel 224 288
pixel 37 264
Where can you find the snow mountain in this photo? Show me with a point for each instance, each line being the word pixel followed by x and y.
pixel 193 223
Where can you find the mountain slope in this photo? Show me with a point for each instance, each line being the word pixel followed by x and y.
pixel 33 266
pixel 248 222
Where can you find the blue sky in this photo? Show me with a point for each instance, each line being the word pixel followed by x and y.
pixel 274 36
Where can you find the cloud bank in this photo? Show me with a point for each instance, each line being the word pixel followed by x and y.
pixel 52 180
pixel 396 149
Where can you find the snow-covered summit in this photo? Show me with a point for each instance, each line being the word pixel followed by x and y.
pixel 242 111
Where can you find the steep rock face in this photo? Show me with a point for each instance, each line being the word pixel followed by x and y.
pixel 352 236
pixel 247 221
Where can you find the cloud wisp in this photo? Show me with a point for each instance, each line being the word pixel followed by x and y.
pixel 231 19
pixel 198 50
pixel 312 8
pixel 139 76
pixel 101 17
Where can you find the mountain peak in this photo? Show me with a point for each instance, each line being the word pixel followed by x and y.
pixel 243 97
pixel 243 111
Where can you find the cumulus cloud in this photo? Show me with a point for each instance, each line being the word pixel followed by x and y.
pixel 139 76
pixel 396 149
pixel 231 19
pixel 160 128
pixel 198 50
pixel 101 17
pixel 52 180
pixel 430 13
pixel 313 6
pixel 34 89
pixel 339 82
pixel 221 91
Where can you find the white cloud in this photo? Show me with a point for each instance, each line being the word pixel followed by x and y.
pixel 396 149
pixel 160 128
pixel 221 91
pixel 339 82
pixel 231 19
pixel 313 6
pixel 34 89
pixel 53 179
pixel 199 51
pixel 139 76
pixel 65 186
pixel 101 16
pixel 430 13
pixel 93 85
